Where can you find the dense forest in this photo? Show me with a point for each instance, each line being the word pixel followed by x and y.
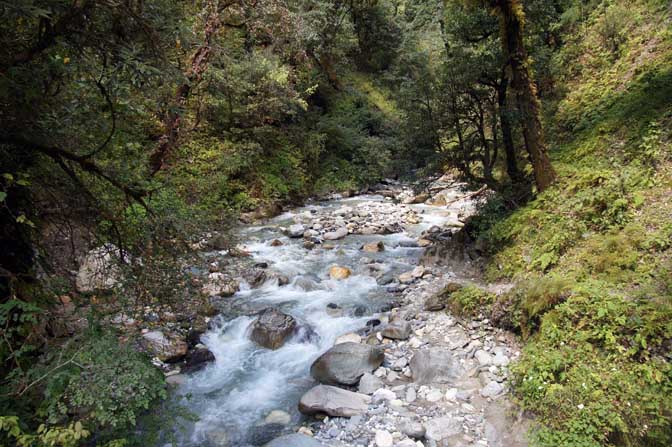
pixel 147 126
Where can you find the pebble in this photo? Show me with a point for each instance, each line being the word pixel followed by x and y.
pixel 384 439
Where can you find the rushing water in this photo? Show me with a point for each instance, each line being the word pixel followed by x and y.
pixel 233 395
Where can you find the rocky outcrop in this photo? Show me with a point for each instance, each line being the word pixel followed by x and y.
pixel 345 363
pixel 336 402
pixel 272 328
pixel 99 270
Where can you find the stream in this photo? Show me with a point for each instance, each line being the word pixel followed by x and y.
pixel 233 396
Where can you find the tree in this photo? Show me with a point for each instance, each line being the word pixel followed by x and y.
pixel 512 21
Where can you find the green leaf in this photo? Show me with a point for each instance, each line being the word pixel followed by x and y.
pixel 3 196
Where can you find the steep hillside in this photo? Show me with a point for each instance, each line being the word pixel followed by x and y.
pixel 592 256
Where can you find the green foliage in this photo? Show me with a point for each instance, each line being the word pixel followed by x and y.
pixel 107 382
pixel 90 385
pixel 71 436
pixel 595 374
pixel 470 300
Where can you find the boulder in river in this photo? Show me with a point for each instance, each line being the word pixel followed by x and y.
pixel 423 243
pixel 197 359
pixel 337 272
pixel 272 328
pixel 345 363
pixel 168 348
pixel 294 440
pixel 434 365
pixel 296 231
pixel 374 247
pixel 336 235
pixel 335 402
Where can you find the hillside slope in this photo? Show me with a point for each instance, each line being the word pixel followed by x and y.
pixel 592 256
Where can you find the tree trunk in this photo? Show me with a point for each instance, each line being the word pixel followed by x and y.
pixel 507 134
pixel 511 22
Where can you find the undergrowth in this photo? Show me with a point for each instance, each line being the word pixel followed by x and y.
pixel 592 256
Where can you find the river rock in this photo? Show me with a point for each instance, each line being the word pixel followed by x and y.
pixel 348 338
pixel 483 358
pixel 278 417
pixel 397 330
pixel 492 389
pixel 296 231
pixel 294 440
pixel 336 235
pixel 374 247
pixel 345 363
pixel 99 270
pixel 255 277
pixel 406 278
pixel 423 243
pixel 434 365
pixel 197 358
pixel 412 428
pixel 337 272
pixel 418 272
pixel 369 384
pixel 384 439
pixel 272 328
pixel 168 348
pixel 441 428
pixel 333 401
pixel 306 284
pixel 219 284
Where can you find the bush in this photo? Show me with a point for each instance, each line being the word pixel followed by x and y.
pixel 470 300
pixel 594 374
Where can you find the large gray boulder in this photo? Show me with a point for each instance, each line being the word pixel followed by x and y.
pixel 335 402
pixel 336 235
pixel 294 440
pixel 272 328
pixel 434 365
pixel 346 363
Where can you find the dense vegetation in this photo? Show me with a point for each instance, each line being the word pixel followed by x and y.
pixel 145 124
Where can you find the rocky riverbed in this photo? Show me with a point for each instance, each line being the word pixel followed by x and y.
pixel 323 327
